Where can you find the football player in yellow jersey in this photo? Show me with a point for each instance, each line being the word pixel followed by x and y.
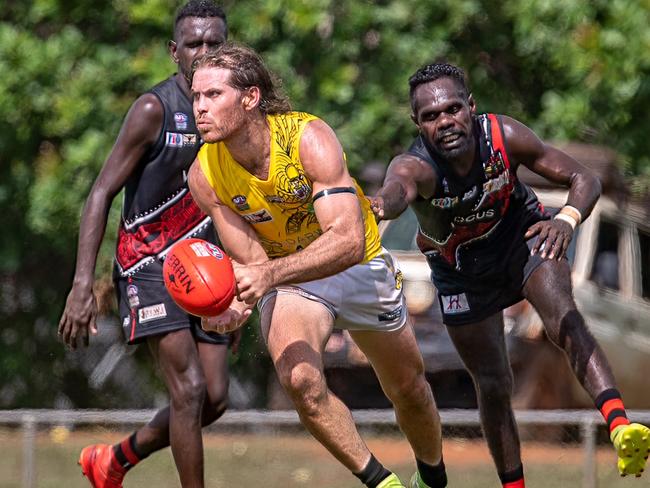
pixel 307 252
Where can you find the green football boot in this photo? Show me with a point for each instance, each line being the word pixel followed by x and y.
pixel 632 444
pixel 416 481
pixel 391 482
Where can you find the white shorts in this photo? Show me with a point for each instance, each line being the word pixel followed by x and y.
pixel 367 296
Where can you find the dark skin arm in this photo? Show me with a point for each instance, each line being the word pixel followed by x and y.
pixel 524 147
pixel 139 131
pixel 407 177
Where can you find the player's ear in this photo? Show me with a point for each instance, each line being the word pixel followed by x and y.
pixel 251 97
pixel 472 104
pixel 171 46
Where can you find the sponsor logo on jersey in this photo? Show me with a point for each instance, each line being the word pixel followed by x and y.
pixel 274 199
pixel 470 193
pixel 258 217
pixel 173 139
pixel 132 296
pixel 153 312
pixel 495 184
pixel 479 216
pixel 452 304
pixel 390 316
pixel 494 165
pixel 240 202
pixel 189 139
pixel 445 202
pixel 180 119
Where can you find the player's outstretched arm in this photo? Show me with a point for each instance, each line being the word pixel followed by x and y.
pixel 139 131
pixel 524 147
pixel 405 174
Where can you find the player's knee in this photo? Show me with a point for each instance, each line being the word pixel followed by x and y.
pixel 412 391
pixel 188 393
pixel 495 387
pixel 216 401
pixel 306 386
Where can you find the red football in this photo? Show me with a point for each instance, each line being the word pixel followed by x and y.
pixel 199 277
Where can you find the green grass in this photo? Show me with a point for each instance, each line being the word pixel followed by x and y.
pixel 294 461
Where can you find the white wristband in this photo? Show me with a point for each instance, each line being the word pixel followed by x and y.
pixel 577 213
pixel 567 218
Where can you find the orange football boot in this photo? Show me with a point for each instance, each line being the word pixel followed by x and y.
pixel 99 465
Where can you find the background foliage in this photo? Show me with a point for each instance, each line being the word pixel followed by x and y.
pixel 70 69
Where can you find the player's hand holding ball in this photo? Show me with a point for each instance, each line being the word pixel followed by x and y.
pixel 229 320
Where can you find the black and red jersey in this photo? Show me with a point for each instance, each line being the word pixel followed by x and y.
pixel 158 209
pixel 470 220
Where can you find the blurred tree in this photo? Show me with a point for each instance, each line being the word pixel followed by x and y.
pixel 576 70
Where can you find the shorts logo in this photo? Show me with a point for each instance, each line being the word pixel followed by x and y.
pixel 240 202
pixel 153 312
pixel 390 316
pixel 173 139
pixel 126 322
pixel 258 217
pixel 180 119
pixel 132 296
pixel 452 304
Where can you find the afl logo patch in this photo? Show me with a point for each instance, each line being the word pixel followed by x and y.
pixel 240 202
pixel 180 120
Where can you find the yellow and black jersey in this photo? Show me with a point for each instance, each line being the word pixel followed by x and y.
pixel 279 208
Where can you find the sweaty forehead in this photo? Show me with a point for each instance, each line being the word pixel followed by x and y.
pixel 195 28
pixel 437 94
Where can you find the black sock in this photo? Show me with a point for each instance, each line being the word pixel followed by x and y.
pixel 373 474
pixel 434 476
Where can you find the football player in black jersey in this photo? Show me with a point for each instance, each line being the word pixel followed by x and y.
pixel 490 244
pixel 156 145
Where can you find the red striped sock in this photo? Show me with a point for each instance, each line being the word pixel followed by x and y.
pixel 125 453
pixel 611 407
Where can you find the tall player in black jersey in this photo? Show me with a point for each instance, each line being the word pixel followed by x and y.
pixel 153 151
pixel 490 243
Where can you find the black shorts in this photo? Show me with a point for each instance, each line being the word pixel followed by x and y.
pixel 146 310
pixel 464 300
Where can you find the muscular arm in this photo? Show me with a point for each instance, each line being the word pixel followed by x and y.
pixel 406 177
pixel 139 131
pixel 524 147
pixel 342 243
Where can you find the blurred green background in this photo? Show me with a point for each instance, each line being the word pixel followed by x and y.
pixel 572 70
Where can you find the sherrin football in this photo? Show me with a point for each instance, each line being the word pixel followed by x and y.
pixel 199 277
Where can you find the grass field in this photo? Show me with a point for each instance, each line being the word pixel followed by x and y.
pixel 293 461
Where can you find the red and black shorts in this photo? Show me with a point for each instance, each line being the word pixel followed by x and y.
pixel 466 299
pixel 146 310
